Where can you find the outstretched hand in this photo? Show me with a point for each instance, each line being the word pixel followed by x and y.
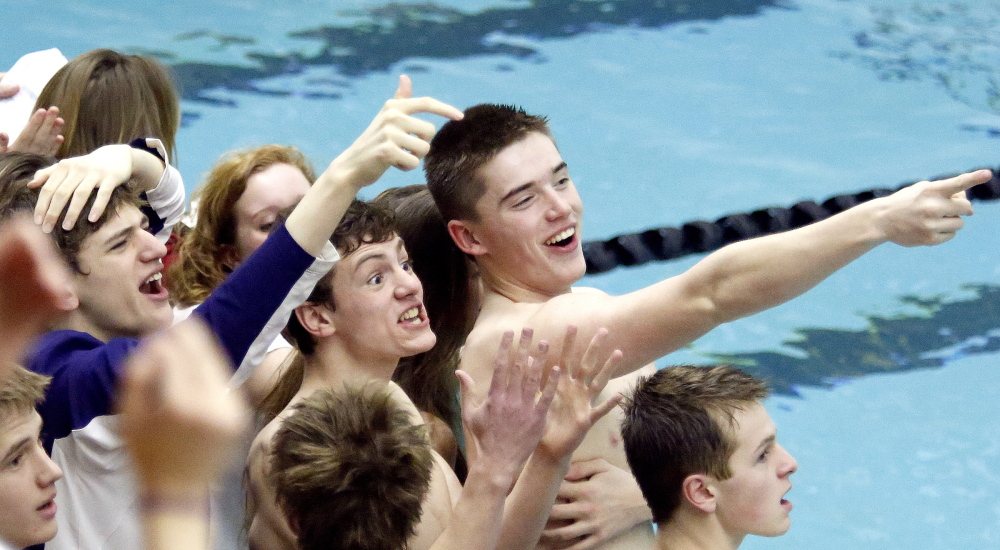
pixel 394 138
pixel 506 426
pixel 928 213
pixel 42 135
pixel 573 410
pixel 69 183
pixel 33 287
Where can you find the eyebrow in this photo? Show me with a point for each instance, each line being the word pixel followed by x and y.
pixel 15 449
pixel 561 166
pixel 119 235
pixel 767 441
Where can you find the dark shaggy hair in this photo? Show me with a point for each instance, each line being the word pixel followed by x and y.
pixel 363 223
pixel 464 146
pixel 351 471
pixel 17 169
pixel 678 423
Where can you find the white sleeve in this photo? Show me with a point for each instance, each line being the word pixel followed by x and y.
pixel 167 200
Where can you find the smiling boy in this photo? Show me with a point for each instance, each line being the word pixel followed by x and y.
pixel 27 474
pixel 506 194
pixel 705 453
pixel 119 299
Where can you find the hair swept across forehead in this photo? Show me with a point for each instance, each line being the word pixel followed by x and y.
pixel 17 169
pixel 350 471
pixel 679 422
pixel 462 147
pixel 21 390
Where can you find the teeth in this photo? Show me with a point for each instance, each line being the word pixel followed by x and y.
pixel 155 277
pixel 562 236
pixel 410 314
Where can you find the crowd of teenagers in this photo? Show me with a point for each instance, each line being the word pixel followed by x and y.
pixel 281 365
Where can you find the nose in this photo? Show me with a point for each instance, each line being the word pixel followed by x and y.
pixel 407 284
pixel 151 247
pixel 558 205
pixel 49 472
pixel 788 464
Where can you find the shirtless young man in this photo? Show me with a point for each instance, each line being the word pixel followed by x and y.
pixel 358 323
pixel 705 452
pixel 504 189
pixel 117 298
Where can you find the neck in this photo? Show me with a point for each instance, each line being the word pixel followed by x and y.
pixel 498 284
pixel 332 367
pixel 79 322
pixel 696 531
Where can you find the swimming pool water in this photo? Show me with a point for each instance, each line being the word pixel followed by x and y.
pixel 667 116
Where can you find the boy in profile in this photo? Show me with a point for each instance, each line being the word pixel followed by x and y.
pixel 704 452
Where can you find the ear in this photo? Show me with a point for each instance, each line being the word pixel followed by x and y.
pixel 465 238
pixel 67 298
pixel 317 319
pixel 701 492
pixel 228 256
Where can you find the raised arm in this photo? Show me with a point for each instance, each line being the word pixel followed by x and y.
pixel 394 138
pixel 750 276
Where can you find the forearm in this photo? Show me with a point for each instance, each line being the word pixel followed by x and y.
pixel 476 519
pixel 529 504
pixel 753 275
pixel 146 168
pixel 176 523
pixel 319 212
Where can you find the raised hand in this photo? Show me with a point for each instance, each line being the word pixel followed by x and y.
pixel 42 135
pixel 180 421
pixel 573 410
pixel 394 138
pixel 69 183
pixel 506 426
pixel 928 213
pixel 7 90
pixel 33 287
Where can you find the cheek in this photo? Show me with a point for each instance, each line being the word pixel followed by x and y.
pixel 248 240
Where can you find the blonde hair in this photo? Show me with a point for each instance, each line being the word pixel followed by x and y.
pixel 107 97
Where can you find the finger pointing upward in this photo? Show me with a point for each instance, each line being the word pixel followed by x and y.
pixel 958 184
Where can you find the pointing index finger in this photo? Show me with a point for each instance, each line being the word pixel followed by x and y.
pixel 957 184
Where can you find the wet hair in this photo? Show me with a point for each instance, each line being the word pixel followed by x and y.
pixel 21 391
pixel 450 299
pixel 363 223
pixel 462 147
pixel 679 422
pixel 351 471
pixel 201 263
pixel 107 97
pixel 17 169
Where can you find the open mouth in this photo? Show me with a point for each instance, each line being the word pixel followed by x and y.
pixel 153 285
pixel 411 316
pixel 564 238
pixel 48 509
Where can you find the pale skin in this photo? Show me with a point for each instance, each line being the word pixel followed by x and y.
pixel 717 514
pixel 530 200
pixel 181 425
pixel 42 135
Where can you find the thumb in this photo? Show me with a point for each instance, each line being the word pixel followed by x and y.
pixel 586 468
pixel 405 89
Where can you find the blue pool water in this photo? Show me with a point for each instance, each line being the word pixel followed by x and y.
pixel 667 112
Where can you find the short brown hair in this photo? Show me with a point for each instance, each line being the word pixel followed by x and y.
pixel 363 223
pixel 351 471
pixel 464 146
pixel 17 169
pixel 107 97
pixel 676 425
pixel 21 390
pixel 200 265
